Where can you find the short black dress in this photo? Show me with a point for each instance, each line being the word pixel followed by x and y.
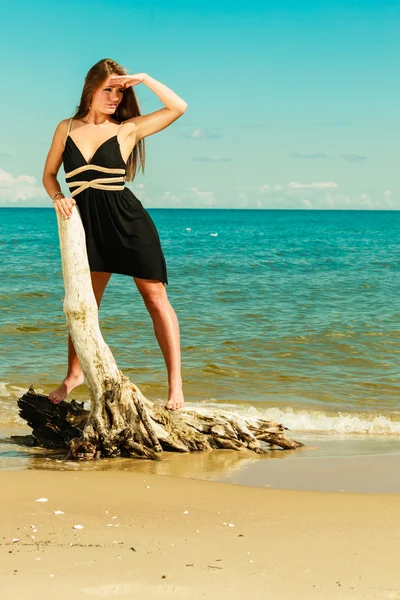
pixel 120 234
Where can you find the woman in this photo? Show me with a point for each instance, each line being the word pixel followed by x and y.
pixel 101 147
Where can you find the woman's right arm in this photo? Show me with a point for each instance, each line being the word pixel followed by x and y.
pixel 53 163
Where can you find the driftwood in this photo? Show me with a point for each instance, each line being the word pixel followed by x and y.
pixel 121 421
pixel 62 426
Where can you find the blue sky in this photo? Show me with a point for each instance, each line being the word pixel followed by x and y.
pixel 291 104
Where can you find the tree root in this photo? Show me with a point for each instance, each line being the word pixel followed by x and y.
pixel 140 429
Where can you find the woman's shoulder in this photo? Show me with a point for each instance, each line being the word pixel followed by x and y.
pixel 64 123
pixel 63 127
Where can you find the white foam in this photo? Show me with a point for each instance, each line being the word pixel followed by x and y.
pixel 341 422
pixel 9 396
pixel 8 390
pixel 314 420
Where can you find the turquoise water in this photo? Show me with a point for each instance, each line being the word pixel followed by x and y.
pixel 292 313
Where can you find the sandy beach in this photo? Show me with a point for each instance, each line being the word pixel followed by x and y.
pixel 154 536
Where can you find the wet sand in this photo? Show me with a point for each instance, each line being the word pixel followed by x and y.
pixel 358 464
pixel 156 537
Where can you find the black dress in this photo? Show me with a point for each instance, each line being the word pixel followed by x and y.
pixel 120 234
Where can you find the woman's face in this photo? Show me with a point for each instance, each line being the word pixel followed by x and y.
pixel 107 98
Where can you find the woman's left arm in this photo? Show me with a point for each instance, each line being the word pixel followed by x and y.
pixel 160 119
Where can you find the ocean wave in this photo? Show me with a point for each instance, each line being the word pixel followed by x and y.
pixel 9 394
pixel 307 421
pixel 342 423
pixel 303 421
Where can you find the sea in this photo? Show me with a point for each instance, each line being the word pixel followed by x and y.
pixel 290 315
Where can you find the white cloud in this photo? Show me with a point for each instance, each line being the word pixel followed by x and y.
pixel 189 198
pixel 27 179
pixel 199 198
pixel 17 190
pixel 272 196
pixel 388 198
pixel 212 159
pixel 306 203
pixel 311 156
pixel 197 134
pixel 170 200
pixel 335 123
pixel 354 158
pixel 317 196
pixel 317 185
pixel 201 134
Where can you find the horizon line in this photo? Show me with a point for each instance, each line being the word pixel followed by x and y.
pixel 231 208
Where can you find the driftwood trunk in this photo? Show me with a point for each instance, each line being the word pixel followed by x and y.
pixel 121 421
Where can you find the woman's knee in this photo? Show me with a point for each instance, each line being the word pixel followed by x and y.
pixel 155 301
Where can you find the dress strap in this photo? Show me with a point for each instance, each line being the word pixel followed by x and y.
pixel 68 130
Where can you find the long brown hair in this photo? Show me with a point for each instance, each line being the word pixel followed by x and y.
pixel 127 108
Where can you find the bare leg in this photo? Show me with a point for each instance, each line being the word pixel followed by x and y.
pixel 166 328
pixel 74 373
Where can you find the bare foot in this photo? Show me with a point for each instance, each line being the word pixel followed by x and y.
pixel 175 401
pixel 64 389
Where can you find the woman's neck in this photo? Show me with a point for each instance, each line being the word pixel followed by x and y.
pixel 97 118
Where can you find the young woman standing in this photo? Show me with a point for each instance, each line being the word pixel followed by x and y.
pixel 101 147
